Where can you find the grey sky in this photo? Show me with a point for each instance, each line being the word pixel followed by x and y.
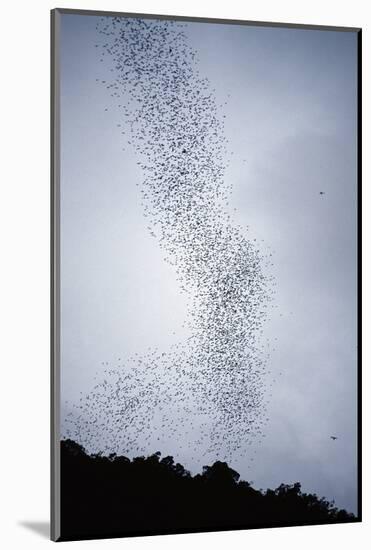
pixel 291 126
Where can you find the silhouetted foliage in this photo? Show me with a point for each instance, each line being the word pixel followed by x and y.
pixel 114 496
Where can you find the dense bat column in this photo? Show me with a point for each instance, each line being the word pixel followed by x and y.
pixel 210 389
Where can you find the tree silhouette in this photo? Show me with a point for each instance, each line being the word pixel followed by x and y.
pixel 107 496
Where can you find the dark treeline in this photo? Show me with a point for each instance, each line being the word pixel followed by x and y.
pixel 114 496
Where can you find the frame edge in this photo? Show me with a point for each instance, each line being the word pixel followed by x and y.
pixel 55 531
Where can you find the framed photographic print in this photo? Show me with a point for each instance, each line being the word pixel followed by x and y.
pixel 205 274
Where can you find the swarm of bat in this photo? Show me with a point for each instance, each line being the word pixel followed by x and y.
pixel 206 395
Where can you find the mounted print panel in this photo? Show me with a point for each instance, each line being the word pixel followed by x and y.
pixel 205 188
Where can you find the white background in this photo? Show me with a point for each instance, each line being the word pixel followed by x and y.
pixel 24 271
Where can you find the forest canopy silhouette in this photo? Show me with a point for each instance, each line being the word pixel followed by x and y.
pixel 115 496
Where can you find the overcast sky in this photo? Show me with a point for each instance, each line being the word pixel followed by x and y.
pixel 291 126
